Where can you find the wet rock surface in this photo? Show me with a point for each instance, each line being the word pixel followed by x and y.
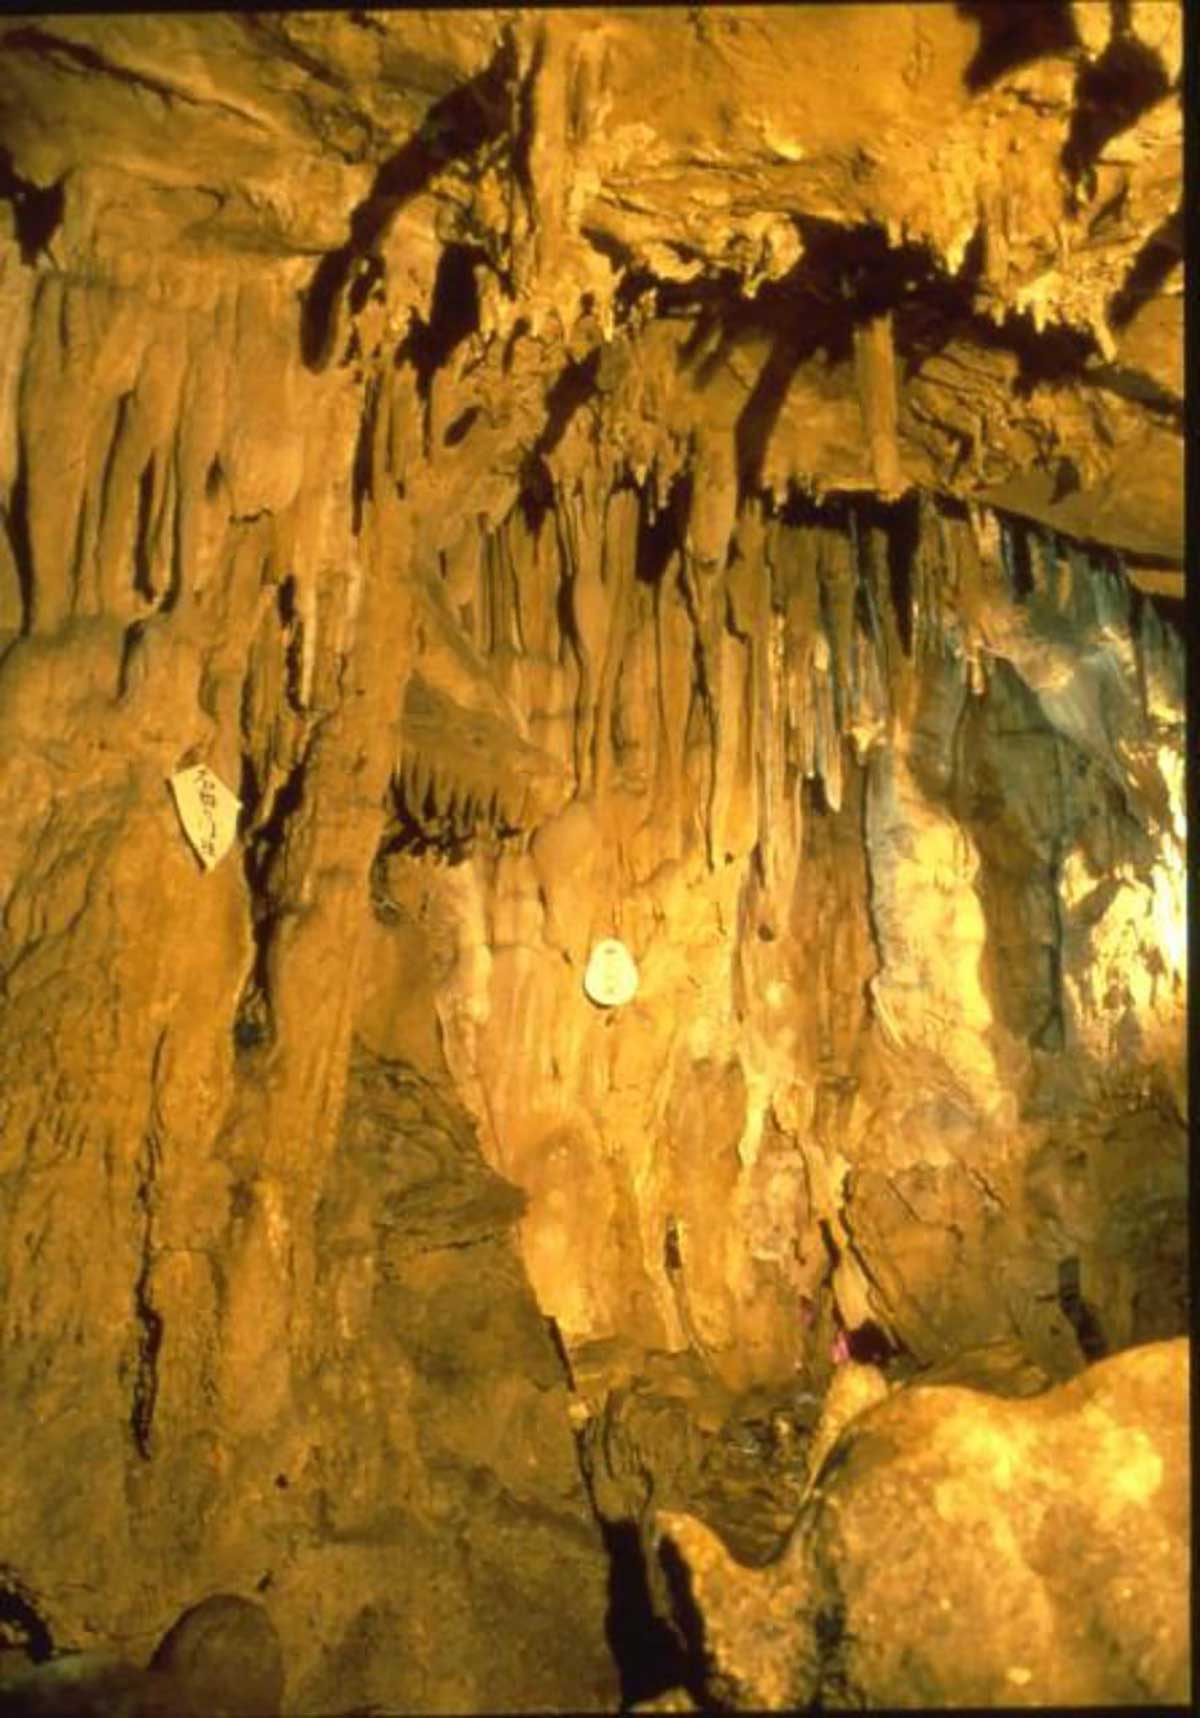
pixel 570 481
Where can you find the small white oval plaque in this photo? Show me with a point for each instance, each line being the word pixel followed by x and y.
pixel 611 977
pixel 208 811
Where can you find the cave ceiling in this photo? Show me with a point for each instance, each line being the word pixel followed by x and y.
pixel 656 212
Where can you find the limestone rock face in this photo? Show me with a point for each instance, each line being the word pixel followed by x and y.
pixel 965 1551
pixel 565 477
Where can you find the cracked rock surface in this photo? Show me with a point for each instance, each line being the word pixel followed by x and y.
pixel 572 478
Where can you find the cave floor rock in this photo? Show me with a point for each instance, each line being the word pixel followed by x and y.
pixel 962 1549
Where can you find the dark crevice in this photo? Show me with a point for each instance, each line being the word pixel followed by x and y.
pixel 362 466
pixel 525 121
pixel 803 513
pixel 143 583
pixel 121 415
pixel 1067 480
pixel 536 499
pixel 1054 356
pixel 846 276
pixel 78 546
pixel 16 520
pixel 454 311
pixel 268 837
pixel 1110 94
pixel 131 643
pixel 145 1387
pixel 609 246
pixel 148 1320
pixel 37 212
pixel 574 386
pixel 249 788
pixel 253 1023
pixel 459 430
pixel 903 546
pixel 368 275
pixel 174 588
pixel 657 541
pixel 453 317
pixel 1019 535
pixel 758 417
pixel 293 652
pixel 944 314
pixel 318 316
pixel 858 273
pixel 870 1345
pixel 678 507
pixel 520 329
pixel 413 831
pixel 829 1630
pixel 285 599
pixel 1162 252
pixel 682 298
pixel 1013 35
pixel 455 127
pixel 560 1350
pixel 650 1657
pixel 694 1673
pixel 19 1617
pixel 635 284
pixel 1080 1315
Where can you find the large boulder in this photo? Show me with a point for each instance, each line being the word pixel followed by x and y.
pixel 962 1549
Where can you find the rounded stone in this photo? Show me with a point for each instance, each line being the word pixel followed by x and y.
pixel 224 1660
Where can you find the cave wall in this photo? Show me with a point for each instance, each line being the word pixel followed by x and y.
pixel 560 514
pixel 906 911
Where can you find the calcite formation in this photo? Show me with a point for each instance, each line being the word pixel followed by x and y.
pixel 570 479
pixel 1047 1539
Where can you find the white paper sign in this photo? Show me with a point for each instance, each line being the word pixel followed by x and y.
pixel 611 977
pixel 208 811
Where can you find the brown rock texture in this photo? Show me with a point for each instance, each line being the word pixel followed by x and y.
pixel 964 1551
pixel 569 478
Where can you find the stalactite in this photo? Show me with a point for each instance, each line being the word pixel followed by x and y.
pixel 582 547
pixel 828 729
pixel 713 512
pixel 754 618
pixel 675 647
pixel 620 529
pixel 875 367
pixel 1160 664
pixel 1111 594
